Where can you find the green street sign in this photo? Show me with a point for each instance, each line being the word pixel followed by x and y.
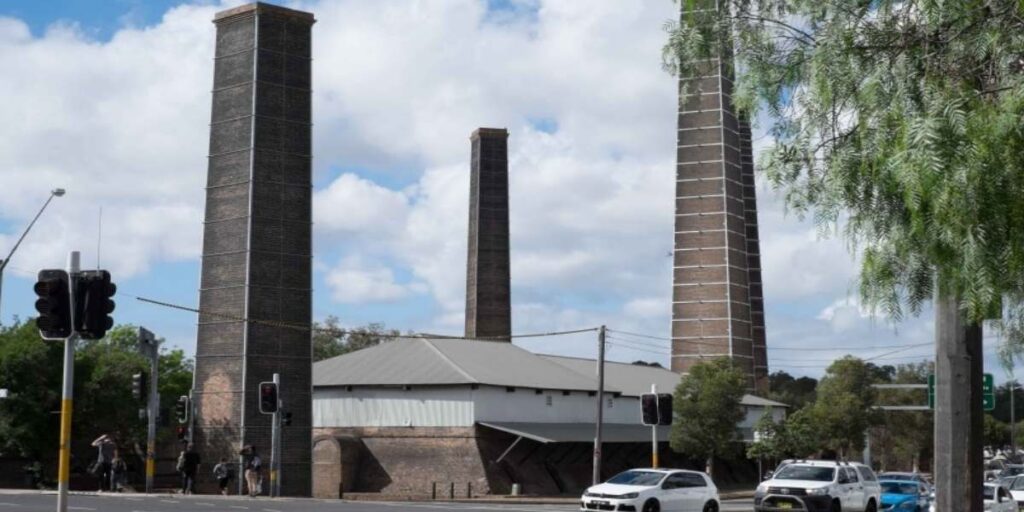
pixel 988 398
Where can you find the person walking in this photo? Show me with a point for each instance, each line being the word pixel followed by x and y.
pixel 105 448
pixel 189 461
pixel 222 472
pixel 253 469
pixel 118 471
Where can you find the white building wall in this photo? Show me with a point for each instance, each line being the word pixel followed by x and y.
pixel 753 415
pixel 449 406
pixel 525 405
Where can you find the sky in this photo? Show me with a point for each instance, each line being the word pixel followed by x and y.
pixel 111 101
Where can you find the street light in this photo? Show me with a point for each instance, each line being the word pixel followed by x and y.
pixel 57 192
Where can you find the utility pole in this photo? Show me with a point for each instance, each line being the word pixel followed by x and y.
pixel 68 389
pixel 654 434
pixel 149 345
pixel 1013 422
pixel 600 406
pixel 275 442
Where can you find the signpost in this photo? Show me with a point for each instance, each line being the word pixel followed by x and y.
pixel 987 389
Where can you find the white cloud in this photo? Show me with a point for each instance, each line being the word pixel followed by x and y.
pixel 356 281
pixel 351 204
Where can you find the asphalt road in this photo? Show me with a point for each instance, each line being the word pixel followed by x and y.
pixel 47 502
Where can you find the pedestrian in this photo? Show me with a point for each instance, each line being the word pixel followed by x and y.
pixel 188 462
pixel 222 472
pixel 253 468
pixel 105 448
pixel 118 471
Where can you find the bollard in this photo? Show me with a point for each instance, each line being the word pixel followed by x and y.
pixel 469 490
pixel 515 489
pixel 433 490
pixel 451 491
pixel 341 490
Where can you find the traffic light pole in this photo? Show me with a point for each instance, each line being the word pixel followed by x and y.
pixel 600 406
pixel 654 434
pixel 67 395
pixel 275 441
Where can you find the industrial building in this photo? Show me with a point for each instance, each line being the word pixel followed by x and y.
pixel 405 415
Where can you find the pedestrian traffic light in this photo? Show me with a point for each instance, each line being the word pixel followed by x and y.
pixel 268 397
pixel 53 304
pixel 138 386
pixel 93 304
pixel 649 409
pixel 286 418
pixel 664 409
pixel 182 409
pixel 181 431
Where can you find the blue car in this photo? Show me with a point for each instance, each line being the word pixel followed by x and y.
pixel 904 495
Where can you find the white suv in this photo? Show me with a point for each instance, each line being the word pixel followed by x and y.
pixel 819 486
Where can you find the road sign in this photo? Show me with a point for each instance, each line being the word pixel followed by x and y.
pixel 988 398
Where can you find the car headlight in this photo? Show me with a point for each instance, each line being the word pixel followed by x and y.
pixel 763 488
pixel 589 494
pixel 629 496
pixel 820 491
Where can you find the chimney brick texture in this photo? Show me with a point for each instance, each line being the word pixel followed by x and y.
pixel 257 255
pixel 488 282
pixel 717 301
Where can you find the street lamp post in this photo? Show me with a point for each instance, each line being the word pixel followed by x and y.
pixel 57 192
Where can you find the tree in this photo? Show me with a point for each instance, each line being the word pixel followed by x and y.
pixel 332 340
pixel 843 410
pixel 706 406
pixel 997 433
pixel 802 437
pixel 30 370
pixel 769 438
pixel 900 119
pixel 794 392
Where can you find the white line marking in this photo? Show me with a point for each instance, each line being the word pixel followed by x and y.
pixel 270 510
pixel 80 508
pixel 9 504
pixel 170 501
pixel 240 507
pixel 206 504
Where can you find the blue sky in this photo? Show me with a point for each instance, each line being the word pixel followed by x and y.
pixel 111 101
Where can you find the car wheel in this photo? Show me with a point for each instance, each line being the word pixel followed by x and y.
pixel 711 507
pixel 652 505
pixel 871 506
pixel 836 506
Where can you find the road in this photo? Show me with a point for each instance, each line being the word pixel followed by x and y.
pixel 47 502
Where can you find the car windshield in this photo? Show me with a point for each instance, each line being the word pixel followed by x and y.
pixel 899 488
pixel 637 478
pixel 897 476
pixel 815 473
pixel 1015 470
pixel 1017 484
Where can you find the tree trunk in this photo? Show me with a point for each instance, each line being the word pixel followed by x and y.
pixel 958 409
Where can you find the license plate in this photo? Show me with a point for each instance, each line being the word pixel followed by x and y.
pixel 785 504
pixel 601 502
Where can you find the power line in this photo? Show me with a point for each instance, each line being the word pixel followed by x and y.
pixel 343 332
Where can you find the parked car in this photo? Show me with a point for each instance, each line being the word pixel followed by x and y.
pixel 1012 470
pixel 905 495
pixel 654 490
pixel 819 486
pixel 906 476
pixel 1016 487
pixel 997 499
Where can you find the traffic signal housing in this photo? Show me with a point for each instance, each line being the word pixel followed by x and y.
pixel 181 431
pixel 649 409
pixel 664 409
pixel 53 304
pixel 182 409
pixel 139 386
pixel 93 304
pixel 286 418
pixel 268 397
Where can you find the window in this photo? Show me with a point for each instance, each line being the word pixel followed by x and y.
pixel 538 391
pixel 800 472
pixel 548 400
pixel 611 402
pixel 633 477
pixel 866 474
pixel 591 393
pixel 852 475
pixel 693 480
pixel 510 389
pixel 565 393
pixel 675 481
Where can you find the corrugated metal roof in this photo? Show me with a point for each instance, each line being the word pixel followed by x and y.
pixel 424 361
pixel 433 361
pixel 578 432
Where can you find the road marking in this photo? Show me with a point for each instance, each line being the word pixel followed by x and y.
pixel 240 507
pixel 9 504
pixel 80 508
pixel 206 504
pixel 270 510
pixel 170 501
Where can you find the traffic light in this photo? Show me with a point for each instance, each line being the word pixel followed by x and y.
pixel 139 386
pixel 53 305
pixel 182 409
pixel 181 431
pixel 286 419
pixel 649 409
pixel 268 397
pixel 664 409
pixel 93 305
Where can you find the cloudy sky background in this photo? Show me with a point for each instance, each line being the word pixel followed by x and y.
pixel 111 100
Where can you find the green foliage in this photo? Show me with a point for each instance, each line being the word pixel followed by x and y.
pixel 794 392
pixel 331 340
pixel 843 410
pixel 802 435
pixel 706 407
pixel 769 438
pixel 902 439
pixel 995 432
pixel 32 370
pixel 899 120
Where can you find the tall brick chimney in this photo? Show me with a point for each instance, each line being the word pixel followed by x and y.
pixel 488 297
pixel 717 302
pixel 257 245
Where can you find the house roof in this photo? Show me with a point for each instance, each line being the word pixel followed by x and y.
pixel 445 361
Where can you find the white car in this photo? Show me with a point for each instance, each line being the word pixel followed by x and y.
pixel 820 486
pixel 997 499
pixel 654 490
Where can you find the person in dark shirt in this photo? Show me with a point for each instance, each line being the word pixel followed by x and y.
pixel 189 468
pixel 104 457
